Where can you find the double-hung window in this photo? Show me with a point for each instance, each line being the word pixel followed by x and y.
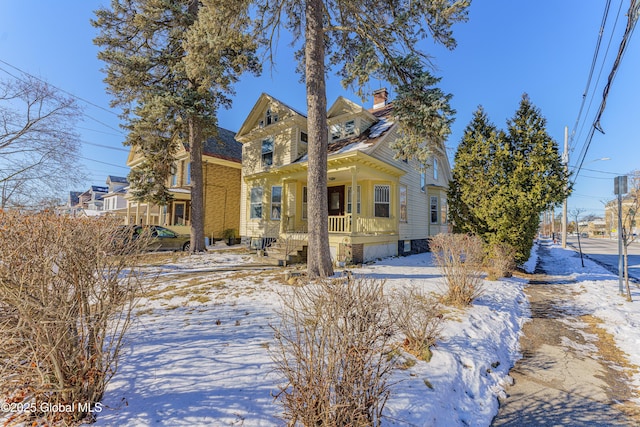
pixel 276 202
pixel 304 202
pixel 256 203
pixel 349 200
pixel 435 169
pixel 271 117
pixel 174 175
pixel 350 128
pixel 267 152
pixel 382 201
pixel 403 203
pixel 336 131
pixel 434 209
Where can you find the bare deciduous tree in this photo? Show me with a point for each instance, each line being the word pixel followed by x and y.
pixel 38 144
pixel 67 290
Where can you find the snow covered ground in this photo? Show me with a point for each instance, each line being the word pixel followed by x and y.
pixel 197 354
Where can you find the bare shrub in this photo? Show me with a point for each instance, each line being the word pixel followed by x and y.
pixel 419 317
pixel 459 256
pixel 500 260
pixel 332 347
pixel 67 290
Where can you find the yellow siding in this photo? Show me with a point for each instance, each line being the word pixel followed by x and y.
pixel 417 225
pixel 222 199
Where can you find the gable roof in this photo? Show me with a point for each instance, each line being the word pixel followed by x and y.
pixel 256 113
pixel 119 179
pixel 344 106
pixel 223 146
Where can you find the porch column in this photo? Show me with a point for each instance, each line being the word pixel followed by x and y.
pixel 354 200
pixel 148 213
pixel 137 212
pixel 284 207
pixel 163 215
pixel 128 219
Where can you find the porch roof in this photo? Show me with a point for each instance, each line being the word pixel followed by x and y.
pixel 337 163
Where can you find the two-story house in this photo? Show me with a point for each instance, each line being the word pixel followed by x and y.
pixel 90 202
pixel 378 206
pixel 114 202
pixel 222 162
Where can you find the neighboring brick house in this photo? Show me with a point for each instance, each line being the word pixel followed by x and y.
pixel 222 163
pixel 378 206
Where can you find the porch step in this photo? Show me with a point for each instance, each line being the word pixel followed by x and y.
pixel 283 252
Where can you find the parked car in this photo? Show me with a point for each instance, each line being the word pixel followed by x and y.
pixel 163 239
pixel 160 238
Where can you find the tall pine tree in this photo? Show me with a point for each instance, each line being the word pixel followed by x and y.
pixel 472 183
pixel 170 66
pixel 365 40
pixel 503 181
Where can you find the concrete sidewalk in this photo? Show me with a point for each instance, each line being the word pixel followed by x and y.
pixel 569 374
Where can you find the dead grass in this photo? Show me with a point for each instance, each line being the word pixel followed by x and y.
pixel 619 360
pixel 202 299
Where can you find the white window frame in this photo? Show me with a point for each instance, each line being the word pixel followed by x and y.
pixel 350 127
pixel 276 206
pixel 433 210
pixel 435 169
pixel 382 197
pixel 269 153
pixel 358 199
pixel 255 201
pixel 187 178
pixel 174 175
pixel 304 202
pixel 402 193
pixel 270 117
pixel 444 207
pixel 336 131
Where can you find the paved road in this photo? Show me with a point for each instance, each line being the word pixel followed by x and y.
pixel 605 251
pixel 564 377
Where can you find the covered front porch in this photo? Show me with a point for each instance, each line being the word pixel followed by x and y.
pixel 362 198
pixel 176 215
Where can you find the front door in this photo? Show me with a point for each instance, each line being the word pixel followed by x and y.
pixel 335 198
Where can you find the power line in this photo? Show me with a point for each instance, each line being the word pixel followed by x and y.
pixel 64 91
pixel 593 66
pixel 632 18
pixel 104 163
pixel 604 58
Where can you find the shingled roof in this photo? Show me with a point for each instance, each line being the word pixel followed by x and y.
pixel 224 146
pixel 366 139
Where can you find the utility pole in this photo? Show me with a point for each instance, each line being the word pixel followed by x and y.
pixel 565 159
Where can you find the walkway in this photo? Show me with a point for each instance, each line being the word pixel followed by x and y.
pixel 568 375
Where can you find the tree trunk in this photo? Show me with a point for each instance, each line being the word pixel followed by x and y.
pixel 319 256
pixel 197 186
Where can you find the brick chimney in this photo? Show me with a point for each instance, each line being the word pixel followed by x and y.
pixel 380 98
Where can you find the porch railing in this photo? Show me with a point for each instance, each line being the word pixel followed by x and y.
pixel 365 225
pixel 340 224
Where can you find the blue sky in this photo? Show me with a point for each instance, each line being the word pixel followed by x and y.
pixel 542 47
